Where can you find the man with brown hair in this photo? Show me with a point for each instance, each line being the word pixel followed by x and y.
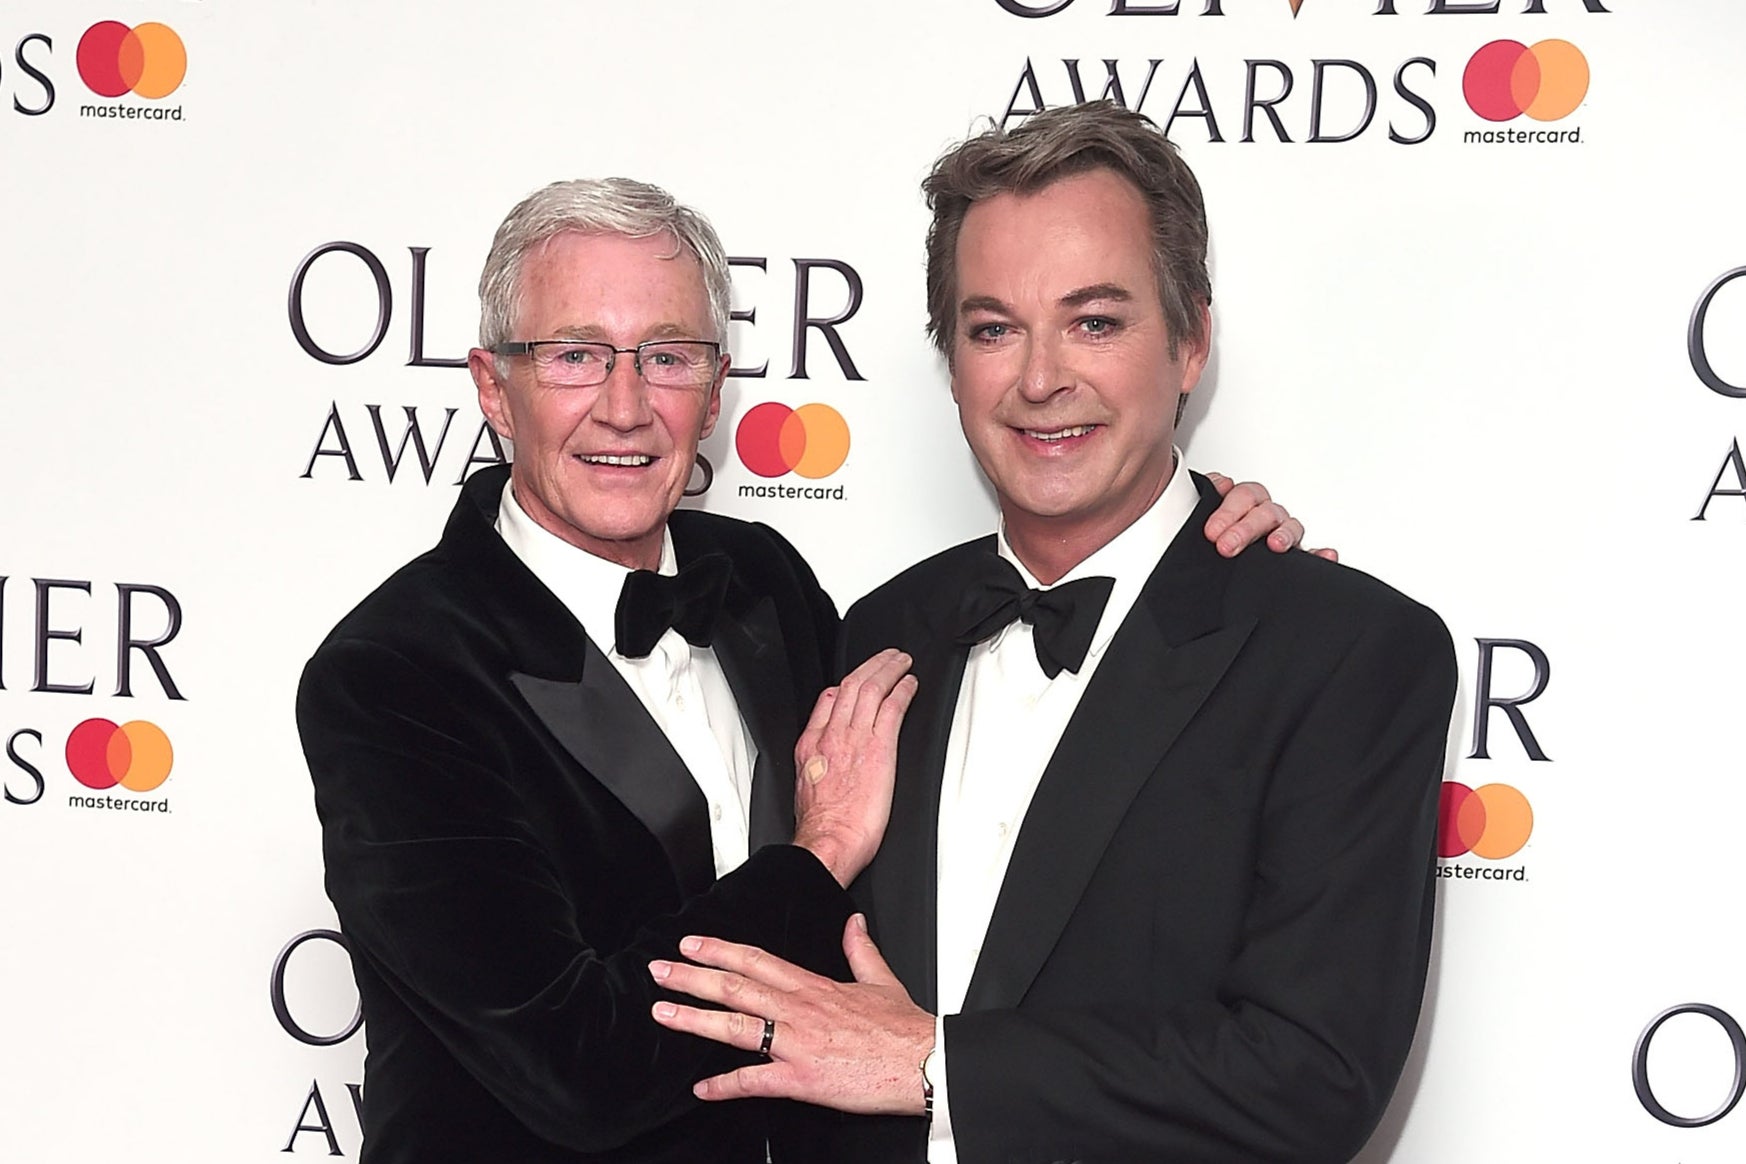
pixel 1157 883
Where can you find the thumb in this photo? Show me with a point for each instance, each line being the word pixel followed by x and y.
pixel 865 960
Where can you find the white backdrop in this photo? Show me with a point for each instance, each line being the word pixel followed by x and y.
pixel 1466 363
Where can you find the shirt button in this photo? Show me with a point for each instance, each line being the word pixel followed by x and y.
pixel 679 702
pixel 1002 829
pixel 715 812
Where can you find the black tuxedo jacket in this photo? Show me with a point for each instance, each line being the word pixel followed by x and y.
pixel 509 839
pixel 1211 941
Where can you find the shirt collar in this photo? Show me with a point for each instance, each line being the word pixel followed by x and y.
pixel 586 584
pixel 1130 556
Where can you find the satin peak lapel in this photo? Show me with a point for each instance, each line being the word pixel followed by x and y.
pixel 603 725
pixel 749 646
pixel 903 879
pixel 1163 663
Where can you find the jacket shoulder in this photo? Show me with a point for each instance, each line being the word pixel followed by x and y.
pixel 751 544
pixel 408 604
pixel 919 587
pixel 425 616
pixel 1314 597
pixel 765 562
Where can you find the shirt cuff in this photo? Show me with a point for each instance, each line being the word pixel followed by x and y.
pixel 941 1148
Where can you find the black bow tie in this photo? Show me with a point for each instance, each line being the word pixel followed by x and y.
pixel 651 604
pixel 1062 619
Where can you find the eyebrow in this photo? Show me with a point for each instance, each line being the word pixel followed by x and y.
pixel 1078 297
pixel 595 333
pixel 1084 295
pixel 982 303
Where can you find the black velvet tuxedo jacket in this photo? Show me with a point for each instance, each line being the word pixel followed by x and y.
pixel 509 839
pixel 1212 938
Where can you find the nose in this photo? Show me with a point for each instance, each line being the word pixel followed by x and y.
pixel 622 401
pixel 1045 372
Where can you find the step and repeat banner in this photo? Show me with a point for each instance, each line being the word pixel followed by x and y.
pixel 1480 319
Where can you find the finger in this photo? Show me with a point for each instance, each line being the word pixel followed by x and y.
pixel 873 691
pixel 1239 501
pixel 759 1080
pixel 865 961
pixel 725 988
pixel 872 665
pixel 730 1027
pixel 891 712
pixel 821 713
pixel 1327 552
pixel 807 745
pixel 1289 534
pixel 851 689
pixel 1220 482
pixel 757 966
pixel 1253 492
pixel 1253 526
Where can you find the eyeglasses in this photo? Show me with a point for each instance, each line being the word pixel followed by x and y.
pixel 584 364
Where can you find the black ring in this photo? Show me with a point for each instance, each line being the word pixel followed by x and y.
pixel 769 1037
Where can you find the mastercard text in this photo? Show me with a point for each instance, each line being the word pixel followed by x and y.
pixel 1482 873
pixel 1523 136
pixel 132 112
pixel 116 802
pixel 804 492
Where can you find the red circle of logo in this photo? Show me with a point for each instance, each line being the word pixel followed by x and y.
pixel 758 440
pixel 99 58
pixel 88 754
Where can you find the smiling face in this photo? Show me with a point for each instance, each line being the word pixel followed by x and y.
pixel 1061 364
pixel 602 467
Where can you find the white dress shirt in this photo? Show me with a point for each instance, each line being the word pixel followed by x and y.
pixel 682 686
pixel 1008 721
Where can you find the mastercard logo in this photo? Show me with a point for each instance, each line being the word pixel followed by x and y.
pixel 1493 821
pixel 135 755
pixel 812 440
pixel 1506 79
pixel 148 61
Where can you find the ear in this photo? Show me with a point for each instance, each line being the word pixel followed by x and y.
pixel 493 393
pixel 712 409
pixel 1194 354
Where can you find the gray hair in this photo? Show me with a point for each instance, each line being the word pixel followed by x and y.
pixel 594 206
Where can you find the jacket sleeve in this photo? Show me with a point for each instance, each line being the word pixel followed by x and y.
pixel 1296 1055
pixel 443 884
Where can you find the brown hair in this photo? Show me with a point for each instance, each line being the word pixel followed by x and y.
pixel 1059 143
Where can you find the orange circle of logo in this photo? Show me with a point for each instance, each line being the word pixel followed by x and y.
pixel 1506 79
pixel 1493 821
pixel 812 440
pixel 135 755
pixel 148 61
